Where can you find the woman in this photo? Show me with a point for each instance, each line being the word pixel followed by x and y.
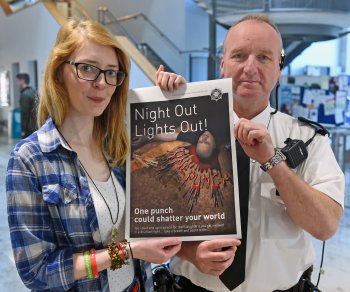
pixel 65 188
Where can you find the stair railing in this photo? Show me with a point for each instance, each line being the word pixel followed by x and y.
pixel 77 9
pixel 106 17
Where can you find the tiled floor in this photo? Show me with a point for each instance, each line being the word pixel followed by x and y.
pixel 9 279
pixel 336 267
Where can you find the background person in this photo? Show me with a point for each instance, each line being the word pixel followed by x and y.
pixel 65 188
pixel 285 205
pixel 27 102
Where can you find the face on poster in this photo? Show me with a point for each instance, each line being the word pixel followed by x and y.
pixel 181 171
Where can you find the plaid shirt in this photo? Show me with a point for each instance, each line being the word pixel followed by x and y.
pixel 51 213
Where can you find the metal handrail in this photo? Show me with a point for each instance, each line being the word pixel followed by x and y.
pixel 81 9
pixel 104 11
pixel 136 15
pixel 311 4
pixel 239 7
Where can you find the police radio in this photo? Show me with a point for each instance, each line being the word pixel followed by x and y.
pixel 295 149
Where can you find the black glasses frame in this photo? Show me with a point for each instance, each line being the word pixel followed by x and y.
pixel 120 74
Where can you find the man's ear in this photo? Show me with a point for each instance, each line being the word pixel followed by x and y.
pixel 279 75
pixel 222 66
pixel 282 59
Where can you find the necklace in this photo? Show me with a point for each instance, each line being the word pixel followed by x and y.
pixel 114 230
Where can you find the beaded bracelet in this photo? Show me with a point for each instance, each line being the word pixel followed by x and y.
pixel 119 254
pixel 94 264
pixel 86 255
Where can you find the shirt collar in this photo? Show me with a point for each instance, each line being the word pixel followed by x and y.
pixel 262 118
pixel 49 138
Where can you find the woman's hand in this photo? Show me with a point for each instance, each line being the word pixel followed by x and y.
pixel 157 250
pixel 168 81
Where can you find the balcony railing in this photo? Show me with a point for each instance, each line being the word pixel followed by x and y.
pixel 224 7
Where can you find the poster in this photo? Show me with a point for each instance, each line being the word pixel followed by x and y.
pixel 181 171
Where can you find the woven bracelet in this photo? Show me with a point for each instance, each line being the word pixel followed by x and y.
pixel 119 254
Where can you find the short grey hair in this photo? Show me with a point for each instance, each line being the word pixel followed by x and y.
pixel 260 18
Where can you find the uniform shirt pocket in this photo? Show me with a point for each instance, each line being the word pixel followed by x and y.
pixel 269 191
pixel 275 221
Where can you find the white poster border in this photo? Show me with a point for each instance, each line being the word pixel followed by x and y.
pixel 189 90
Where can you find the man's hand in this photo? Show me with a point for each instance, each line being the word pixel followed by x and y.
pixel 212 257
pixel 255 140
pixel 168 81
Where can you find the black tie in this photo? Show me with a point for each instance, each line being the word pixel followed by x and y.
pixel 234 275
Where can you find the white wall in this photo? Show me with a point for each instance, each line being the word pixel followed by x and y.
pixel 318 54
pixel 138 78
pixel 25 36
pixel 197 39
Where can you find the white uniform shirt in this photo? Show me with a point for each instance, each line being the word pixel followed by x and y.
pixel 278 251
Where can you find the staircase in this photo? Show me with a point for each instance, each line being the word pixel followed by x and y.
pixel 115 24
pixel 124 39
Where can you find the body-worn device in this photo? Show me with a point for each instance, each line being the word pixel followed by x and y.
pixel 295 152
pixel 295 149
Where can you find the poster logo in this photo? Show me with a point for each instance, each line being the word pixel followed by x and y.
pixel 216 94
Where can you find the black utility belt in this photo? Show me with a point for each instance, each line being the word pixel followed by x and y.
pixel 304 284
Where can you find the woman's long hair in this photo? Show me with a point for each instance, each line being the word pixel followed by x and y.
pixel 109 128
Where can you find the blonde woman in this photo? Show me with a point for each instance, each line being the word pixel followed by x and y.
pixel 65 188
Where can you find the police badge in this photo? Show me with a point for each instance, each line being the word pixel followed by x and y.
pixel 216 94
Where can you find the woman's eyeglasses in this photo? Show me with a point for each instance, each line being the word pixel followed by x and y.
pixel 90 73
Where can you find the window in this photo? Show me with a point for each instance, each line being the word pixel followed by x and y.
pixel 4 88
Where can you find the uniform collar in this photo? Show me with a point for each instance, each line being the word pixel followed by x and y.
pixel 262 118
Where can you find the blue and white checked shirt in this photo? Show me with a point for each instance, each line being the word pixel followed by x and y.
pixel 51 213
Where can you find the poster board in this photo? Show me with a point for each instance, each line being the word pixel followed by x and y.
pixel 181 170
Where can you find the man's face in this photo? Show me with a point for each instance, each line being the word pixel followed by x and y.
pixel 251 58
pixel 20 83
pixel 205 145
